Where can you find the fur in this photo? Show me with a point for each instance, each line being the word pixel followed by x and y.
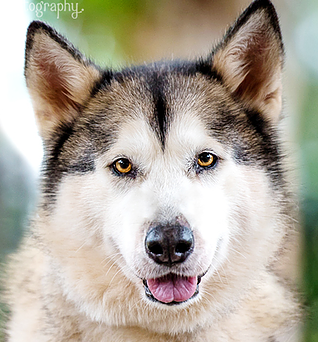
pixel 86 270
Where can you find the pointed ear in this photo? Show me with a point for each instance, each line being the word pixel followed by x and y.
pixel 59 78
pixel 250 58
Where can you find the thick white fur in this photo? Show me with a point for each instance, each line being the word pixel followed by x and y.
pixel 94 245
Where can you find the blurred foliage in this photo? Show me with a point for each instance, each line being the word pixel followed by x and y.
pixel 17 194
pixel 104 26
pixel 309 207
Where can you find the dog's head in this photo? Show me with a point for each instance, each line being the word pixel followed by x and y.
pixel 163 174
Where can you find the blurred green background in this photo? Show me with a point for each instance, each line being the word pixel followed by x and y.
pixel 117 33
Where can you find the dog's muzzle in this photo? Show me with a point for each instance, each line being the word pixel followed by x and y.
pixel 169 245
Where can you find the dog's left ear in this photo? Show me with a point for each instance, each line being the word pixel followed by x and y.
pixel 250 58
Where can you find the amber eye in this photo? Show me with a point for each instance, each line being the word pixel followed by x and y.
pixel 122 166
pixel 207 160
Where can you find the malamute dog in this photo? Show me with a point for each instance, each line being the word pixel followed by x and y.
pixel 165 211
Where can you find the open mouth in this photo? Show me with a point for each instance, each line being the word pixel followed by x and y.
pixel 172 288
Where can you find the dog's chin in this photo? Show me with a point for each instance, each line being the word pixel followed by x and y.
pixel 172 289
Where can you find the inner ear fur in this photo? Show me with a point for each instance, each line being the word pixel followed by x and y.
pixel 59 78
pixel 250 59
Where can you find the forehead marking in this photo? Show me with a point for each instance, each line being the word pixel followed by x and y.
pixel 156 85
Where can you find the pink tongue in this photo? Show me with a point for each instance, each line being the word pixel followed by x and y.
pixel 172 288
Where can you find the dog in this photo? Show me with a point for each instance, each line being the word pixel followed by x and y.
pixel 166 211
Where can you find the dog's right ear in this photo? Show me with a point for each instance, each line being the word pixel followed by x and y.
pixel 59 78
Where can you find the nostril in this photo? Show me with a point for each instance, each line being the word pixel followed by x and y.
pixel 155 248
pixel 183 247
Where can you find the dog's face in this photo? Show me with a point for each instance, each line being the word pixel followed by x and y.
pixel 169 172
pixel 172 200
pixel 168 208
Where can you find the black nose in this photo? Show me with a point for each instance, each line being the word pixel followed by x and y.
pixel 169 244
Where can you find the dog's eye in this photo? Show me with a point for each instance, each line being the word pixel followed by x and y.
pixel 122 166
pixel 207 160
